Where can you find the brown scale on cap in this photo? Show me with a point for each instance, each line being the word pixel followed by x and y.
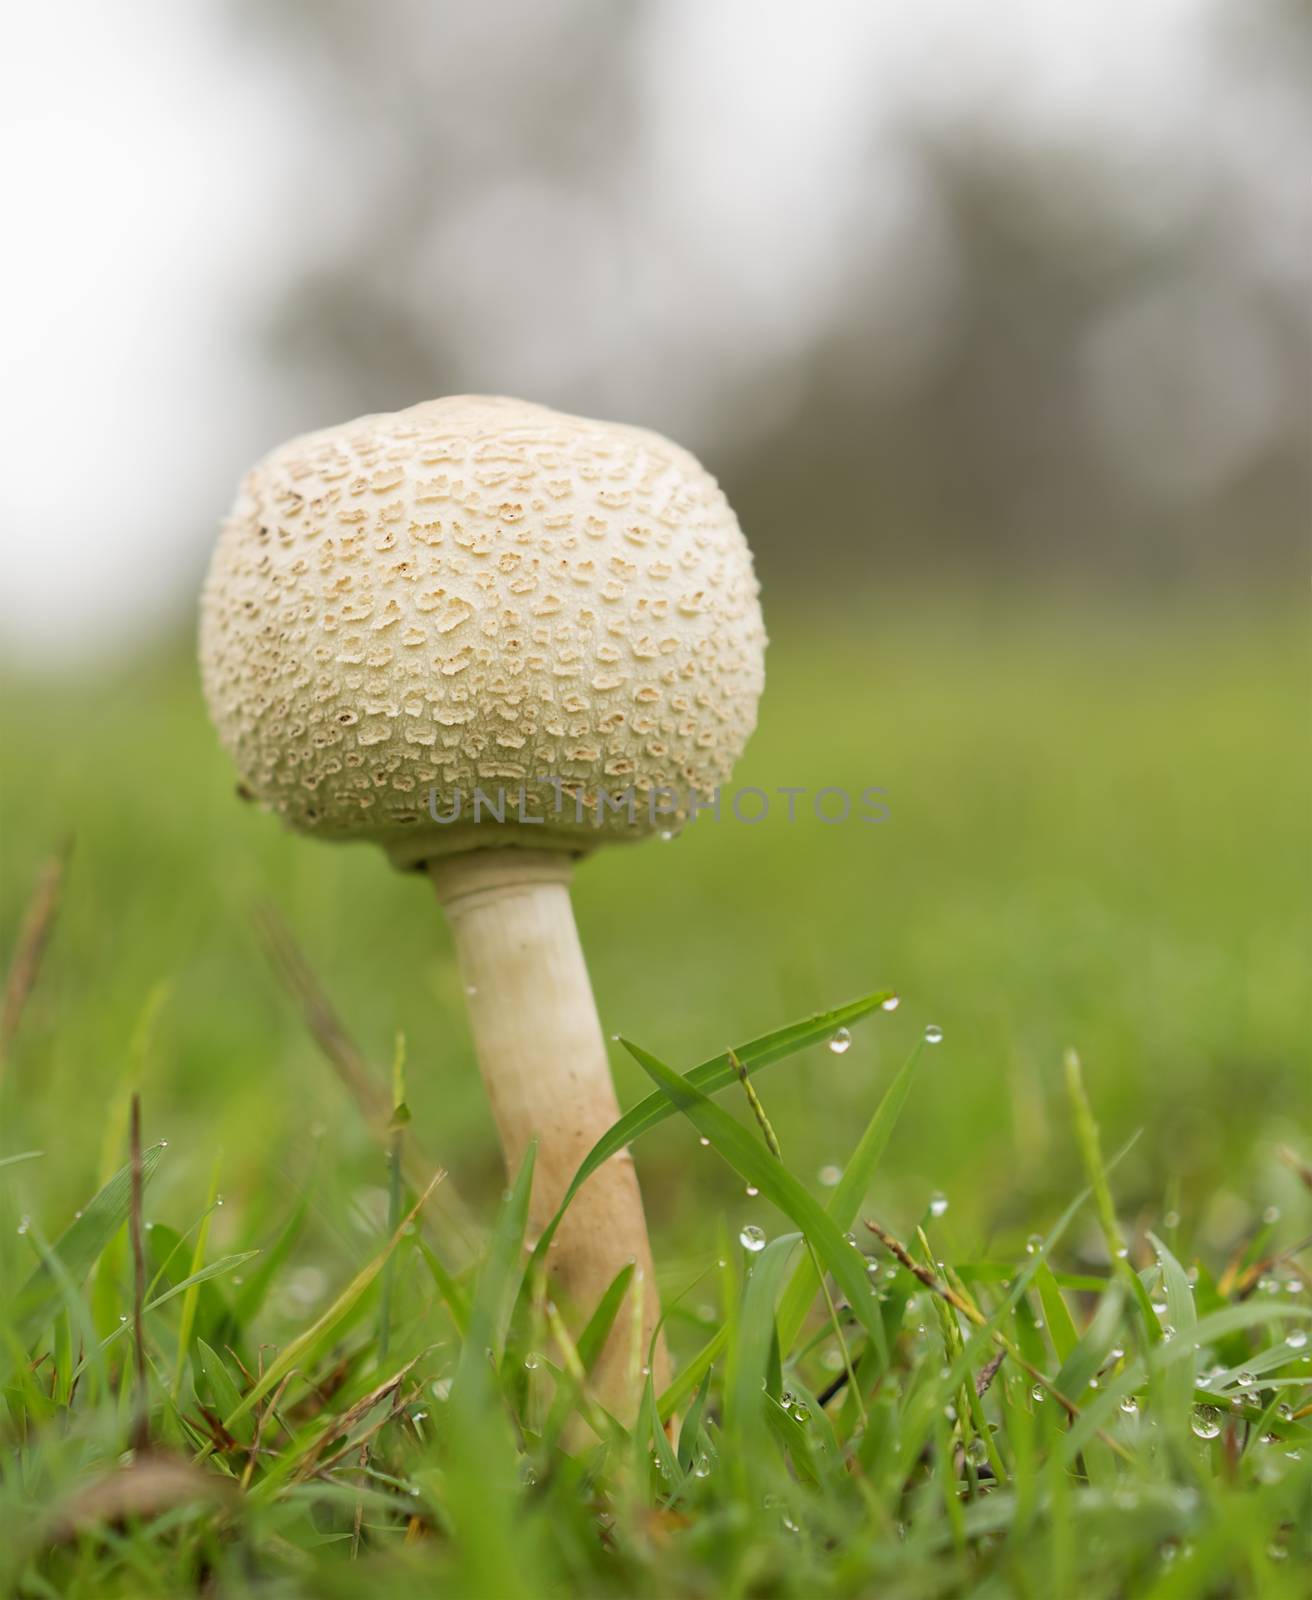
pixel 479 592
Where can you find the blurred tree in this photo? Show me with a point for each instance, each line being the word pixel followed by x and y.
pixel 1044 357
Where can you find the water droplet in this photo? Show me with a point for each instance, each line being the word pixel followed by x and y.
pixel 163 1144
pixel 938 1203
pixel 1271 1214
pixel 703 1141
pixel 1207 1422
pixel 751 1237
pixel 1120 1252
pixel 218 1199
pixel 1037 1394
pixel 751 1191
pixel 1033 1244
pixel 978 1451
pixel 1114 1355
pixel 702 1467
pixel 442 1389
pixel 24 1223
pixel 801 1414
pixel 1171 1219
pixel 665 835
pixel 1296 1340
pixel 829 1175
pixel 123 1316
pixel 1130 1406
pixel 471 988
pixel 840 1041
pixel 891 1004
pixel 933 1034
pixel 1159 1308
pixel 532 1361
pixel 1245 1379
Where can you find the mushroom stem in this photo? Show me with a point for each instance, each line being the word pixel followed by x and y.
pixel 543 1059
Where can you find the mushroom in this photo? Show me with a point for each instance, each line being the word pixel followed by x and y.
pixel 492 638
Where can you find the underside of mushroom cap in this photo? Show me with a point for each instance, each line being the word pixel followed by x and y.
pixel 480 594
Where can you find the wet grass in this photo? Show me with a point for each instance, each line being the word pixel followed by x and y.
pixel 936 1332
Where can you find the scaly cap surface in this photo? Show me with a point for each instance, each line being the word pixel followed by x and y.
pixel 479 592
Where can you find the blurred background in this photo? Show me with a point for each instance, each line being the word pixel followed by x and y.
pixel 993 323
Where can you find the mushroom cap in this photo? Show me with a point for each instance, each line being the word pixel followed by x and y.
pixel 481 593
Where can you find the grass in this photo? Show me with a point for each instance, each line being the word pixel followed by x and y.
pixel 1049 1358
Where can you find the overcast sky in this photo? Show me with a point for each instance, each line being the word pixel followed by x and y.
pixel 152 156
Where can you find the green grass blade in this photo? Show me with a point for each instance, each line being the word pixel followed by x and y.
pixel 718 1072
pixel 345 1302
pixel 709 1078
pixel 222 1394
pixel 191 1297
pixel 78 1247
pixel 1061 1327
pixel 22 1155
pixel 1177 1388
pixel 851 1189
pixel 1089 1353
pixel 691 1376
pixel 754 1163
pixel 751 1358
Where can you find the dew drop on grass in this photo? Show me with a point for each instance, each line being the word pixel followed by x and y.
pixel 751 1237
pixel 801 1414
pixel 829 1175
pixel 1171 1219
pixel 1121 1252
pixel 1033 1243
pixel 840 1041
pixel 665 835
pixel 703 1141
pixel 1271 1214
pixel 1245 1379
pixel 938 1203
pixel 702 1468
pixel 1297 1340
pixel 891 1004
pixel 1159 1308
pixel 1130 1406
pixel 1037 1394
pixel 751 1191
pixel 933 1034
pixel 1207 1422
pixel 532 1361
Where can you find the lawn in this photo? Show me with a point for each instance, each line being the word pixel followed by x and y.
pixel 1094 880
